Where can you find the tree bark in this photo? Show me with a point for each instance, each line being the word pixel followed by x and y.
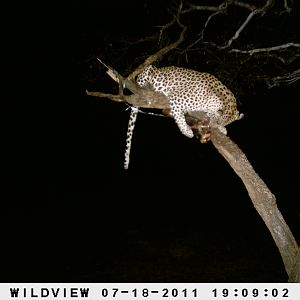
pixel 264 202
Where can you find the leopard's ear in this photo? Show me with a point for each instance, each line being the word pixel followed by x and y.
pixel 146 75
pixel 150 70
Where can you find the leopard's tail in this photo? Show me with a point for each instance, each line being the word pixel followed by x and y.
pixel 130 128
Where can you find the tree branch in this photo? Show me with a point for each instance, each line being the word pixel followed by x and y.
pixel 257 11
pixel 262 198
pixel 156 56
pixel 267 49
pixel 159 54
pixel 286 6
pixel 144 98
pixel 141 97
pixel 288 78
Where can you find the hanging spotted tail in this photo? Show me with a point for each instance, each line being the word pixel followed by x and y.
pixel 131 124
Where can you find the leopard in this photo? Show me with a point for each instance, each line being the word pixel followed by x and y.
pixel 189 90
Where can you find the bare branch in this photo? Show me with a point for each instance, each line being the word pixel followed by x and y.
pixel 221 9
pixel 172 22
pixel 156 56
pixel 288 78
pixel 257 11
pixel 222 6
pixel 216 9
pixel 204 27
pixel 286 6
pixel 267 49
pixel 200 7
pixel 244 5
pixel 160 53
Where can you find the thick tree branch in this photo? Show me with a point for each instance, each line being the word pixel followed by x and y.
pixel 141 97
pixel 262 198
pixel 144 98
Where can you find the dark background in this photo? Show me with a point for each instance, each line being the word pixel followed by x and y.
pixel 179 214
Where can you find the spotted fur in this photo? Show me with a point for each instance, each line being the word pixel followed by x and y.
pixel 130 128
pixel 189 90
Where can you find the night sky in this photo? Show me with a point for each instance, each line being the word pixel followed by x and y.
pixel 180 213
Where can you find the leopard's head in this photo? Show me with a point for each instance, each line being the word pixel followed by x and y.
pixel 145 77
